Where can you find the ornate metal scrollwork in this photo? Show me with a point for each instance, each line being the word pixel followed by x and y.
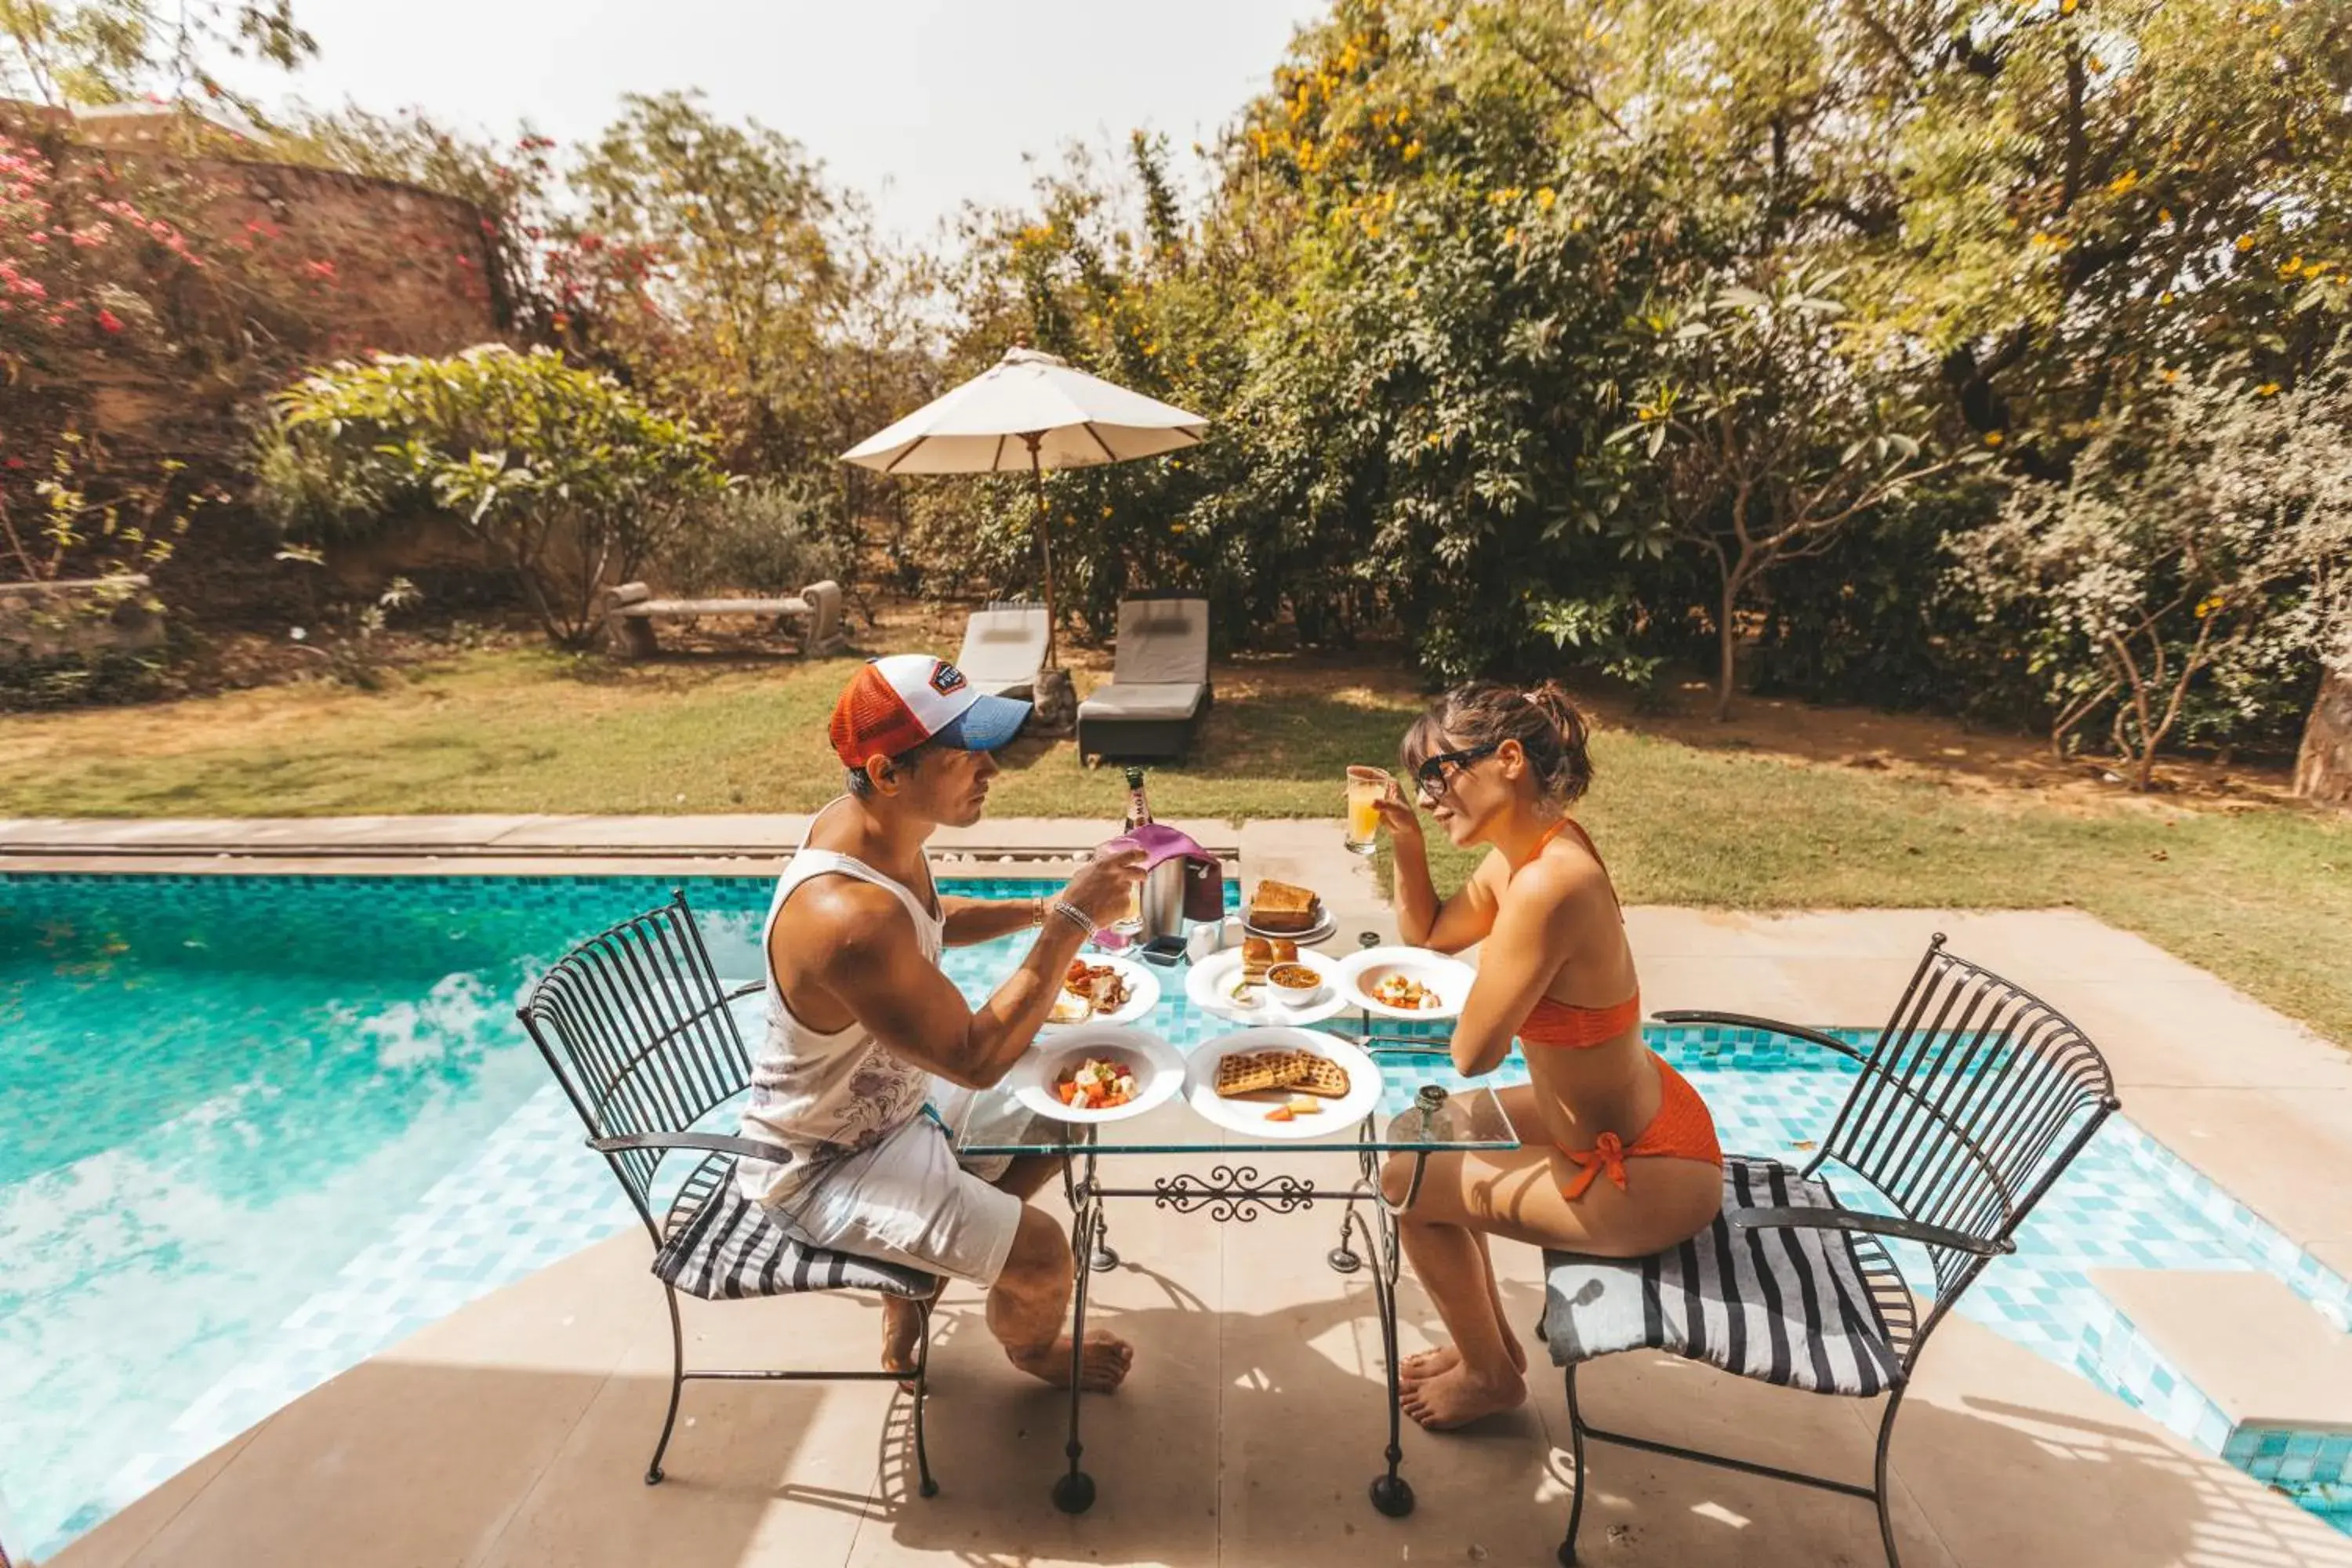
pixel 1234 1193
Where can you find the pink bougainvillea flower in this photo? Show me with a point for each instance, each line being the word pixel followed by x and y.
pixel 107 322
pixel 320 268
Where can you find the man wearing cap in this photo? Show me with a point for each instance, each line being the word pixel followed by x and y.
pixel 862 1022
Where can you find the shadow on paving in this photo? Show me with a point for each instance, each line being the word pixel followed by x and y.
pixel 1244 1439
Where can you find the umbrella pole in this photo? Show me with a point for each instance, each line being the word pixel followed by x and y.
pixel 1045 548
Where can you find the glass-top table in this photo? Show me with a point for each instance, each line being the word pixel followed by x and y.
pixel 1408 1125
pixel 993 1123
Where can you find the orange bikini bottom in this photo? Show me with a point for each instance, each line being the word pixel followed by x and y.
pixel 1682 1128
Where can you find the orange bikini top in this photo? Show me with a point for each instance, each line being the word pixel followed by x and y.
pixel 1553 1023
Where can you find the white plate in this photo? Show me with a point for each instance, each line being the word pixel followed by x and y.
pixel 1159 1071
pixel 1210 985
pixel 1319 932
pixel 1142 995
pixel 1248 1116
pixel 1449 977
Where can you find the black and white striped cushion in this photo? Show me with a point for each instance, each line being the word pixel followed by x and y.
pixel 1817 1309
pixel 721 1247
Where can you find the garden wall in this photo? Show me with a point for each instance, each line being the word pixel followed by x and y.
pixel 298 266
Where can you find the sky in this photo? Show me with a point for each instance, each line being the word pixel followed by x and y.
pixel 919 104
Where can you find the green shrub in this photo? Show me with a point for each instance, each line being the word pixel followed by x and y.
pixel 760 536
pixel 572 479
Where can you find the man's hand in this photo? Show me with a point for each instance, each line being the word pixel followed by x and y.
pixel 1101 890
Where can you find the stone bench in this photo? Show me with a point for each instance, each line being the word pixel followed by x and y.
pixel 79 616
pixel 814 617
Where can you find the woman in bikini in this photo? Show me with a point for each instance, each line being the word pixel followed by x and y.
pixel 1618 1154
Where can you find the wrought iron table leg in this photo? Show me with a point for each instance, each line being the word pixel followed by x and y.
pixel 1074 1492
pixel 1344 1259
pixel 1392 1493
pixel 1102 1258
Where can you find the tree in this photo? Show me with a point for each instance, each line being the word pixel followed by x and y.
pixel 1770 439
pixel 742 278
pixel 2322 765
pixel 61 52
pixel 574 481
pixel 2071 195
pixel 2203 543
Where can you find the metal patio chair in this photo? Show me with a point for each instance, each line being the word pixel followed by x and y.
pixel 1967 1107
pixel 636 1027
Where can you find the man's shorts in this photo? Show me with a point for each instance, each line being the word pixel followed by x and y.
pixel 906 1200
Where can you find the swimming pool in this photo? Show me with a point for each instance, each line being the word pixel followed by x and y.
pixel 260 1128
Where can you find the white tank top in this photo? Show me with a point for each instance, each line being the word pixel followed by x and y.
pixel 827 1095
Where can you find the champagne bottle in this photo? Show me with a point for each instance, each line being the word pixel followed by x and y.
pixel 1139 809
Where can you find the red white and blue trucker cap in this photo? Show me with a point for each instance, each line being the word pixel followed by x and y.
pixel 895 704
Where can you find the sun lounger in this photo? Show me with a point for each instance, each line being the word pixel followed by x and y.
pixel 1003 648
pixel 1160 681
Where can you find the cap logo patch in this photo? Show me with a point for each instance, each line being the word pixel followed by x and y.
pixel 946 679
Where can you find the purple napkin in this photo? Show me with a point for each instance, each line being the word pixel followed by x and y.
pixel 1158 841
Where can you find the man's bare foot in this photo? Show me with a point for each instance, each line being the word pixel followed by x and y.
pixel 1445 1358
pixel 1454 1398
pixel 1102 1364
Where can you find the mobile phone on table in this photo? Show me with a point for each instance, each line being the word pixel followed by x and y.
pixel 1163 951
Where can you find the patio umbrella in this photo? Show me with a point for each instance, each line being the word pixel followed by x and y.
pixel 1030 410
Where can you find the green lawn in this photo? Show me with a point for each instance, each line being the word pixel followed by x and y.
pixel 2258 896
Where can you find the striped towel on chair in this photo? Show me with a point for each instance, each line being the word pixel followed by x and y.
pixel 1824 1310
pixel 722 1246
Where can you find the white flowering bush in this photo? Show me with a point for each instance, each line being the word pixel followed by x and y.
pixel 2199 556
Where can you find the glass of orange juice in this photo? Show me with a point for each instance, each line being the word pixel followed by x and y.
pixel 1365 788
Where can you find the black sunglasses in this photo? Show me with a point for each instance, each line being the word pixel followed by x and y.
pixel 1431 775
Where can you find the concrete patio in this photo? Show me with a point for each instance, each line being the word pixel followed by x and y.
pixel 515 1431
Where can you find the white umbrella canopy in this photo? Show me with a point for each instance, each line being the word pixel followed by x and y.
pixel 1033 411
pixel 1029 410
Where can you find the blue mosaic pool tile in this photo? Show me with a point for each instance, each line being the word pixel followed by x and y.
pixel 532 1196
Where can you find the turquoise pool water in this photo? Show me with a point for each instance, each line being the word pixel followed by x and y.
pixel 258 1129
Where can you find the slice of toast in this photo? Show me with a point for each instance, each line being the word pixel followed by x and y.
pixel 1285 907
pixel 1276 898
pixel 1257 957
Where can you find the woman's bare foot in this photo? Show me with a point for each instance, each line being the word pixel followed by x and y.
pixel 1445 1358
pixel 1102 1365
pixel 1454 1398
pixel 1428 1364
